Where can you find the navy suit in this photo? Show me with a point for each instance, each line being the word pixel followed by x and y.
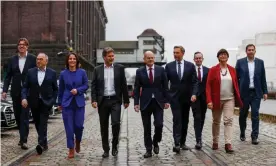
pixel 153 97
pixel 180 92
pixel 73 106
pixel 200 107
pixel 251 97
pixel 16 78
pixel 40 99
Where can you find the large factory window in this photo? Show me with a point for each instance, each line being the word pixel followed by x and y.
pixel 149 42
pixel 124 51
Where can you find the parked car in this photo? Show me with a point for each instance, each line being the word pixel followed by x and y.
pixel 7 115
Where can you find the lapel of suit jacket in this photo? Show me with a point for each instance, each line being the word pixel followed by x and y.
pixel 115 72
pixel 174 70
pixel 46 74
pixel 101 72
pixel 246 68
pixel 256 67
pixel 25 69
pixel 145 72
pixel 35 76
pixel 184 70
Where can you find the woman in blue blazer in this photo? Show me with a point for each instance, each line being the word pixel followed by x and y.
pixel 73 83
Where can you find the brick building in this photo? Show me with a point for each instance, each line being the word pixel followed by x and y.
pixel 52 27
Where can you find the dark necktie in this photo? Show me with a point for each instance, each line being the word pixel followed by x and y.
pixel 199 74
pixel 150 75
pixel 179 70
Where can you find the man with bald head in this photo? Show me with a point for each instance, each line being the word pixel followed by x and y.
pixel 39 93
pixel 152 100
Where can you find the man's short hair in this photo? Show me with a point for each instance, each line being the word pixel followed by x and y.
pixel 249 45
pixel 107 50
pixel 181 48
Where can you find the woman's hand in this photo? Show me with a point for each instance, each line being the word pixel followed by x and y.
pixel 210 106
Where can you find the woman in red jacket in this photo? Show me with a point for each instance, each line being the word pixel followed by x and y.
pixel 222 93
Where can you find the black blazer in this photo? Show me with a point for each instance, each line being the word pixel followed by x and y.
pixel 202 84
pixel 48 89
pixel 120 84
pixel 14 74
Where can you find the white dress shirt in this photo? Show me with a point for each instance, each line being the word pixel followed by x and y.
pixel 251 68
pixel 22 60
pixel 152 70
pixel 109 89
pixel 40 75
pixel 181 66
pixel 201 71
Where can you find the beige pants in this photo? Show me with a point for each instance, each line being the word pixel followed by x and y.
pixel 227 108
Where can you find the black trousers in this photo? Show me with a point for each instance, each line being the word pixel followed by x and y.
pixel 110 106
pixel 41 116
pixel 153 108
pixel 199 111
pixel 22 118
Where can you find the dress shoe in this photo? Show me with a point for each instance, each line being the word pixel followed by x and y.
pixel 39 149
pixel 215 146
pixel 71 153
pixel 19 143
pixel 242 137
pixel 114 151
pixel 156 149
pixel 176 149
pixel 198 145
pixel 105 154
pixel 24 146
pixel 228 148
pixel 255 141
pixel 77 148
pixel 148 154
pixel 184 147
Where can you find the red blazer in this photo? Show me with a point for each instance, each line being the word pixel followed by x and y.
pixel 213 87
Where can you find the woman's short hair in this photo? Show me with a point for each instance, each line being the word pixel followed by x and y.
pixel 67 59
pixel 222 51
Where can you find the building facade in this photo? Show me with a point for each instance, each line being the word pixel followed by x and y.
pixel 53 27
pixel 131 53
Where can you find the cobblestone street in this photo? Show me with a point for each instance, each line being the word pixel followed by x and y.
pixel 131 147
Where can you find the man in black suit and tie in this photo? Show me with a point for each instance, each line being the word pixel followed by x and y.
pixel 39 93
pixel 107 89
pixel 183 91
pixel 199 107
pixel 16 73
pixel 154 98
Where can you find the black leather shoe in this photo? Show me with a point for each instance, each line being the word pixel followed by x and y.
pixel 39 149
pixel 198 145
pixel 242 137
pixel 148 154
pixel 156 149
pixel 114 151
pixel 105 155
pixel 24 146
pixel 19 143
pixel 184 147
pixel 176 149
pixel 255 141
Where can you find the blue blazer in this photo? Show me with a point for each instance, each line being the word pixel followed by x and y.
pixel 159 87
pixel 181 90
pixel 244 80
pixel 66 84
pixel 48 89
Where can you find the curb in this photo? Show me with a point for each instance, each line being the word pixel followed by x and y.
pixel 262 116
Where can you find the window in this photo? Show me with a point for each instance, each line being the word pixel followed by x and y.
pixel 124 51
pixel 149 42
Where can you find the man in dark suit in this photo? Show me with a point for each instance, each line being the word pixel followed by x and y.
pixel 199 107
pixel 107 88
pixel 16 73
pixel 39 93
pixel 252 83
pixel 154 98
pixel 183 91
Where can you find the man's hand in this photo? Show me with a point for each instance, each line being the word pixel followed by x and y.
pixel 136 108
pixel 265 97
pixel 210 106
pixel 94 105
pixel 193 98
pixel 60 108
pixel 167 105
pixel 74 91
pixel 126 105
pixel 24 103
pixel 4 95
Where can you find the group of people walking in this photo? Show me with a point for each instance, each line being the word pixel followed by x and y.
pixel 220 88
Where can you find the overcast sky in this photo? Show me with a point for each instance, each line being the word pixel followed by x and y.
pixel 198 26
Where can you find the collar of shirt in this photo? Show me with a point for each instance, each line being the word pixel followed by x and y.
pixel 42 70
pixel 23 56
pixel 149 67
pixel 181 62
pixel 250 61
pixel 198 67
pixel 105 66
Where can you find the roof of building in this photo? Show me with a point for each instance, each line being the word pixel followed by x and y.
pixel 149 33
pixel 119 44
